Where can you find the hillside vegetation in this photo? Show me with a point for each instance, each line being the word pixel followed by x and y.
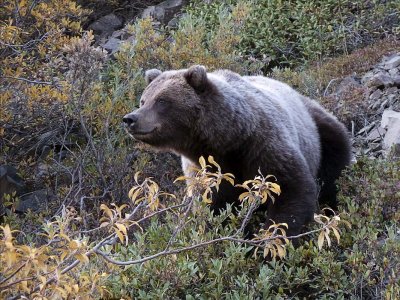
pixel 88 213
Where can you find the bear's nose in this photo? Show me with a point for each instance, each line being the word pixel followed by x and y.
pixel 130 119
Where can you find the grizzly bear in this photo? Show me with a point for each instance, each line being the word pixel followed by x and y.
pixel 248 124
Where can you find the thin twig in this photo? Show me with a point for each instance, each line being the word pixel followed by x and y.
pixel 28 80
pixel 181 223
pixel 252 208
pixel 13 273
pixel 329 84
pixel 14 283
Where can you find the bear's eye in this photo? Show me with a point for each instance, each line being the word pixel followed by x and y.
pixel 141 102
pixel 161 101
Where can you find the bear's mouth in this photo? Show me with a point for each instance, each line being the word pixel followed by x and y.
pixel 140 134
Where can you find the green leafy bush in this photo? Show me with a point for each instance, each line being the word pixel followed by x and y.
pixel 370 195
pixel 191 43
pixel 182 226
pixel 291 32
pixel 364 264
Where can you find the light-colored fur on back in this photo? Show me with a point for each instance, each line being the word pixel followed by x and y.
pixel 259 99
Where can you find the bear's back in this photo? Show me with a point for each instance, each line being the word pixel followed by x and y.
pixel 282 106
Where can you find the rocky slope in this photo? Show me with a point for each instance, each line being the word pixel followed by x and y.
pixel 380 137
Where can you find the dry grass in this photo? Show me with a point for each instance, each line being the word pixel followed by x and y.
pixel 357 62
pixel 322 79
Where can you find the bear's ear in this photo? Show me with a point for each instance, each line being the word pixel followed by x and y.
pixel 150 75
pixel 196 76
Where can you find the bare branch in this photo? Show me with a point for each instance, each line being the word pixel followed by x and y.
pixel 166 252
pixel 12 274
pixel 169 252
pixel 14 283
pixel 252 208
pixel 182 222
pixel 28 80
pixel 329 84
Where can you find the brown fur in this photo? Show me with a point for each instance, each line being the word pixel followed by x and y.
pixel 247 124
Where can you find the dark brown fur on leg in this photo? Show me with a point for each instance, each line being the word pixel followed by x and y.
pixel 297 203
pixel 335 153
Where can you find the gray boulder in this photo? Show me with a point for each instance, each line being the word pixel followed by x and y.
pixel 381 79
pixel 391 142
pixel 34 201
pixel 165 11
pixel 392 62
pixel 346 84
pixel 106 25
pixel 111 45
pixel 10 182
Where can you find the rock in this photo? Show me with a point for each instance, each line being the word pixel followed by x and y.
pixel 42 171
pixel 118 34
pixel 392 90
pixel 393 72
pixel 392 62
pixel 149 12
pixel 367 76
pixel 112 45
pixel 367 128
pixel 387 115
pixel 106 25
pixel 122 34
pixel 383 83
pixel 10 182
pixel 110 39
pixel 376 94
pixel 384 104
pixel 392 98
pixel 34 201
pixel 376 147
pixel 376 133
pixel 173 23
pixel 348 83
pixel 396 80
pixel 164 11
pixel 391 142
pixel 380 80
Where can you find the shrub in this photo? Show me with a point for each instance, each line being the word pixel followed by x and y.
pixel 42 271
pixel 190 43
pixel 174 235
pixel 290 32
pixel 32 35
pixel 370 195
pixel 363 265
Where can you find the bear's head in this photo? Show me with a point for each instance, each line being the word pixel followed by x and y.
pixel 169 107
